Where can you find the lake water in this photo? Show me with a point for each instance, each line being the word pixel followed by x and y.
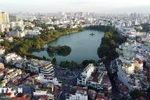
pixel 83 46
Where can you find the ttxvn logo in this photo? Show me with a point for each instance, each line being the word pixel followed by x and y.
pixel 10 90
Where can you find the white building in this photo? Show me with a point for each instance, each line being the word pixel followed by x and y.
pixel 17 33
pixel 40 93
pixel 12 58
pixel 32 32
pixel 50 79
pixel 79 95
pixel 2 28
pixel 9 38
pixel 38 66
pixel 85 75
pixel 126 69
pixel 18 23
pixel 37 28
pixel 2 50
pixel 51 28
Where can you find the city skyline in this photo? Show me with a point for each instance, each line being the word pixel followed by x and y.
pixel 99 6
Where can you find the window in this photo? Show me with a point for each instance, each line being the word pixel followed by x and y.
pixel 78 98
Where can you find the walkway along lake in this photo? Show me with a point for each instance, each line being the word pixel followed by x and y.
pixel 83 46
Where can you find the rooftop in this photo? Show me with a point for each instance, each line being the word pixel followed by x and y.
pixel 95 79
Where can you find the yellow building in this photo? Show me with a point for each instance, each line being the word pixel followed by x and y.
pixel 1 18
pixel 4 18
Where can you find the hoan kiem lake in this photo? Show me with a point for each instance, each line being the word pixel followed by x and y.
pixel 83 46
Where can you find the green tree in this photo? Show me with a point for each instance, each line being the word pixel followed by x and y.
pixel 44 57
pixel 54 61
pixel 136 94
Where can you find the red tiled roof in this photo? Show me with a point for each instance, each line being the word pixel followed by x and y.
pixel 142 98
pixel 100 96
pixel 140 62
pixel 105 86
pixel 137 99
pixel 16 81
pixel 8 93
pixel 124 88
pixel 44 97
pixel 95 79
pixel 24 95
pixel 57 91
pixel 79 88
pixel 18 98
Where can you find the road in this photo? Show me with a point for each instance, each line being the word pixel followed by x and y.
pixel 67 82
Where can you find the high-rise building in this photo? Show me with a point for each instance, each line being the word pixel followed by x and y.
pixel 13 18
pixel 82 14
pixel 1 19
pixel 5 17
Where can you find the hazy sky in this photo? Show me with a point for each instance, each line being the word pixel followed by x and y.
pixel 101 6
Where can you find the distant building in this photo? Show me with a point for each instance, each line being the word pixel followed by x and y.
pixel 16 24
pixel 16 33
pixel 32 32
pixel 1 18
pixel 13 18
pixel 5 17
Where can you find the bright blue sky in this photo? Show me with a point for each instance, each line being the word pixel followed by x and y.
pixel 101 6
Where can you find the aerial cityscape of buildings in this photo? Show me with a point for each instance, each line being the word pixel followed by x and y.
pixel 39 78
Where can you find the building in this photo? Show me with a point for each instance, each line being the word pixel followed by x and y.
pixel 80 94
pixel 126 71
pixel 12 58
pixel 19 98
pixel 100 81
pixel 1 18
pixel 49 79
pixel 101 96
pixel 13 18
pixel 19 25
pixel 46 68
pixel 91 94
pixel 2 50
pixel 85 75
pixel 2 28
pixel 17 33
pixel 32 32
pixel 9 38
pixel 39 66
pixel 2 66
pixel 5 17
pixel 43 94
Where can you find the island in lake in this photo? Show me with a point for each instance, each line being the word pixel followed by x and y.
pixel 58 50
